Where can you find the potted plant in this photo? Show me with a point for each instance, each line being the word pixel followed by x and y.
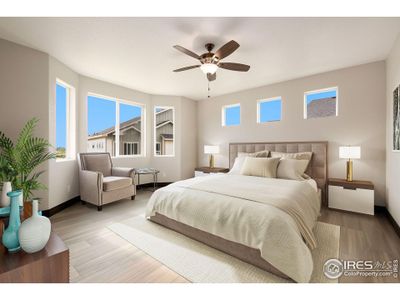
pixel 19 160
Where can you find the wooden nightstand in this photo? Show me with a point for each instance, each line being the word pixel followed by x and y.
pixel 203 171
pixel 356 196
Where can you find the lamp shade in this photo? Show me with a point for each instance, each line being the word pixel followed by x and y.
pixel 209 149
pixel 350 152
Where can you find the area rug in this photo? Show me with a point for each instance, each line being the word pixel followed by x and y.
pixel 202 264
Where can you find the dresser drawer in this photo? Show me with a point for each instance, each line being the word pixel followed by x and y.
pixel 356 200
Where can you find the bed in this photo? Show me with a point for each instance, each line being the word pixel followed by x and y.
pixel 266 222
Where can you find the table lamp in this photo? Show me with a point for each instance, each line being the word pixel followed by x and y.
pixel 209 149
pixel 349 152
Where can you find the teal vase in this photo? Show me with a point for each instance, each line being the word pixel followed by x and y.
pixel 10 235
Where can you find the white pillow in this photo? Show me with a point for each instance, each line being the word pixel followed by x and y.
pixel 261 167
pixel 237 165
pixel 292 168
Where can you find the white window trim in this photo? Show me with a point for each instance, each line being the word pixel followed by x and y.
pixel 70 126
pixel 155 130
pixel 321 91
pixel 223 119
pixel 117 101
pixel 260 101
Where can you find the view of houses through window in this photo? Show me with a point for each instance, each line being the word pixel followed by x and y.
pixel 111 120
pixel 164 122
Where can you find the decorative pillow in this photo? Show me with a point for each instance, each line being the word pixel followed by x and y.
pixel 298 155
pixel 237 165
pixel 263 153
pixel 261 167
pixel 292 168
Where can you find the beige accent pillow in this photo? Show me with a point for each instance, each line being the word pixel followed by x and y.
pixel 263 153
pixel 298 155
pixel 260 166
pixel 292 168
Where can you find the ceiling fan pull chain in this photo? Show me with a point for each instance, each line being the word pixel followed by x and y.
pixel 208 87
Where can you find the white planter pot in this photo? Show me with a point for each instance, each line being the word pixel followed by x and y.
pixel 34 232
pixel 5 200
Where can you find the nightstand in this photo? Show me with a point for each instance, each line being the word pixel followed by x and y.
pixel 204 171
pixel 355 196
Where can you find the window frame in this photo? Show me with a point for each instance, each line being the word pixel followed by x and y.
pixel 260 101
pixel 155 130
pixel 70 126
pixel 223 112
pixel 329 89
pixel 117 102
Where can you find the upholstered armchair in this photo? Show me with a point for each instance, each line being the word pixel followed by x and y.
pixel 100 183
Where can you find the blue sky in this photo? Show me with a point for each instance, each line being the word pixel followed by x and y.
pixel 102 113
pixel 270 111
pixel 232 115
pixel 322 95
pixel 61 116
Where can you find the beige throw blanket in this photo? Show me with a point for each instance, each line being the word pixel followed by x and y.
pixel 299 202
pixel 249 210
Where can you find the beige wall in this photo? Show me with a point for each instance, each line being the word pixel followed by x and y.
pixel 24 94
pixel 361 120
pixel 393 158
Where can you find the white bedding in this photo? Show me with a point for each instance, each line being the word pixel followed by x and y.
pixel 235 211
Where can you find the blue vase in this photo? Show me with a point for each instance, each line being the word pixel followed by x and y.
pixel 10 235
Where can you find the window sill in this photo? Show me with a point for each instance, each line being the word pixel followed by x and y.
pixel 61 160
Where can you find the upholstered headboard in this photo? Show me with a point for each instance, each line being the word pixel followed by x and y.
pixel 317 169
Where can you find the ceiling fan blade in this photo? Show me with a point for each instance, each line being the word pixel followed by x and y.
pixel 226 49
pixel 234 67
pixel 186 68
pixel 211 77
pixel 186 51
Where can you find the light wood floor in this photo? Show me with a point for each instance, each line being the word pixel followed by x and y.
pixel 99 255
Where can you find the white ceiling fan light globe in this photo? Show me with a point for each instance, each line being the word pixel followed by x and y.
pixel 209 68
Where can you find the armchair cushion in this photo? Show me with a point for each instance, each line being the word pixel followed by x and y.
pixel 122 172
pixel 98 162
pixel 111 183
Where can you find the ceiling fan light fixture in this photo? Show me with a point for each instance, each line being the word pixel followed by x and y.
pixel 209 68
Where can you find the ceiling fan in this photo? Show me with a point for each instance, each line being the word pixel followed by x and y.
pixel 210 62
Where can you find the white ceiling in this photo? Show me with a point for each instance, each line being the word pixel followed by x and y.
pixel 137 52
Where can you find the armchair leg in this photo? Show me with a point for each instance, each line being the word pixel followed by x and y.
pixel 99 208
pixel 133 197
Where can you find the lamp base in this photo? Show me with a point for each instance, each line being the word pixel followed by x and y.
pixel 211 161
pixel 349 170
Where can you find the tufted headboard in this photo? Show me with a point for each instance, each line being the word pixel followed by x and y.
pixel 317 169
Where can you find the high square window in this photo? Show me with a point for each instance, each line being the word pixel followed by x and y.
pixel 321 103
pixel 269 110
pixel 231 115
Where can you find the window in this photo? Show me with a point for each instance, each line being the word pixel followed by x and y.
pixel 321 103
pixel 231 115
pixel 164 131
pixel 158 148
pixel 130 128
pixel 131 148
pixel 65 121
pixel 269 110
pixel 115 126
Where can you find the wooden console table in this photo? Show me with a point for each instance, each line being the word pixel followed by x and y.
pixel 51 265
